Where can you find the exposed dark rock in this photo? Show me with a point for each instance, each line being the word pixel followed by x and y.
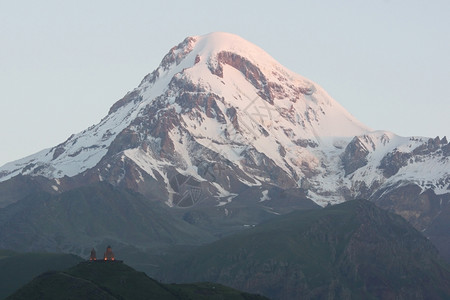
pixel 160 127
pixel 306 143
pixel 354 156
pixel 177 53
pixel 175 56
pixel 125 140
pixel 362 190
pixel 393 161
pixel 263 131
pixel 232 115
pixel 58 151
pixel 251 72
pixel 197 59
pixel 129 97
pixel 181 85
pixel 261 165
pixel 418 207
pixel 195 102
pixel 282 150
pixel 445 146
pixel 433 145
pixel 308 170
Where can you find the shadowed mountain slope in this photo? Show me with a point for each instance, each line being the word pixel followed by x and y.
pixel 353 250
pixel 16 269
pixel 77 220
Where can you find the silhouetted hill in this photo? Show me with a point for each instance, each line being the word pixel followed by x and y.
pixel 114 280
pixel 353 250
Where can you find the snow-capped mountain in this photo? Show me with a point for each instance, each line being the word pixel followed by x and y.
pixel 220 117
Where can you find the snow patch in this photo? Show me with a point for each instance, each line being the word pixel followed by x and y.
pixel 265 196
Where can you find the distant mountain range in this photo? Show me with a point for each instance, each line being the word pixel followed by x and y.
pixel 220 137
pixel 352 250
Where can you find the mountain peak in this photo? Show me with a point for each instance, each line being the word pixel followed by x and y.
pixel 220 110
pixel 216 42
pixel 209 63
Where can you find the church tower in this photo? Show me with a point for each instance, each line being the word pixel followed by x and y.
pixel 109 255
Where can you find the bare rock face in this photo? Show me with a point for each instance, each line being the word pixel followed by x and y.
pixel 393 161
pixel 420 209
pixel 354 156
pixel 232 115
pixel 192 103
pixel 123 141
pixel 251 72
pixel 174 57
pixel 446 150
pixel 128 98
pixel 306 143
pixel 432 146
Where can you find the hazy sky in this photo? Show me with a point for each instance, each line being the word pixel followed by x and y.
pixel 64 63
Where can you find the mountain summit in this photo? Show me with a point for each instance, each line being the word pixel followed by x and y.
pixel 220 121
pixel 215 92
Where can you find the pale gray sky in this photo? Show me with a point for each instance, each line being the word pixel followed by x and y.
pixel 64 63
